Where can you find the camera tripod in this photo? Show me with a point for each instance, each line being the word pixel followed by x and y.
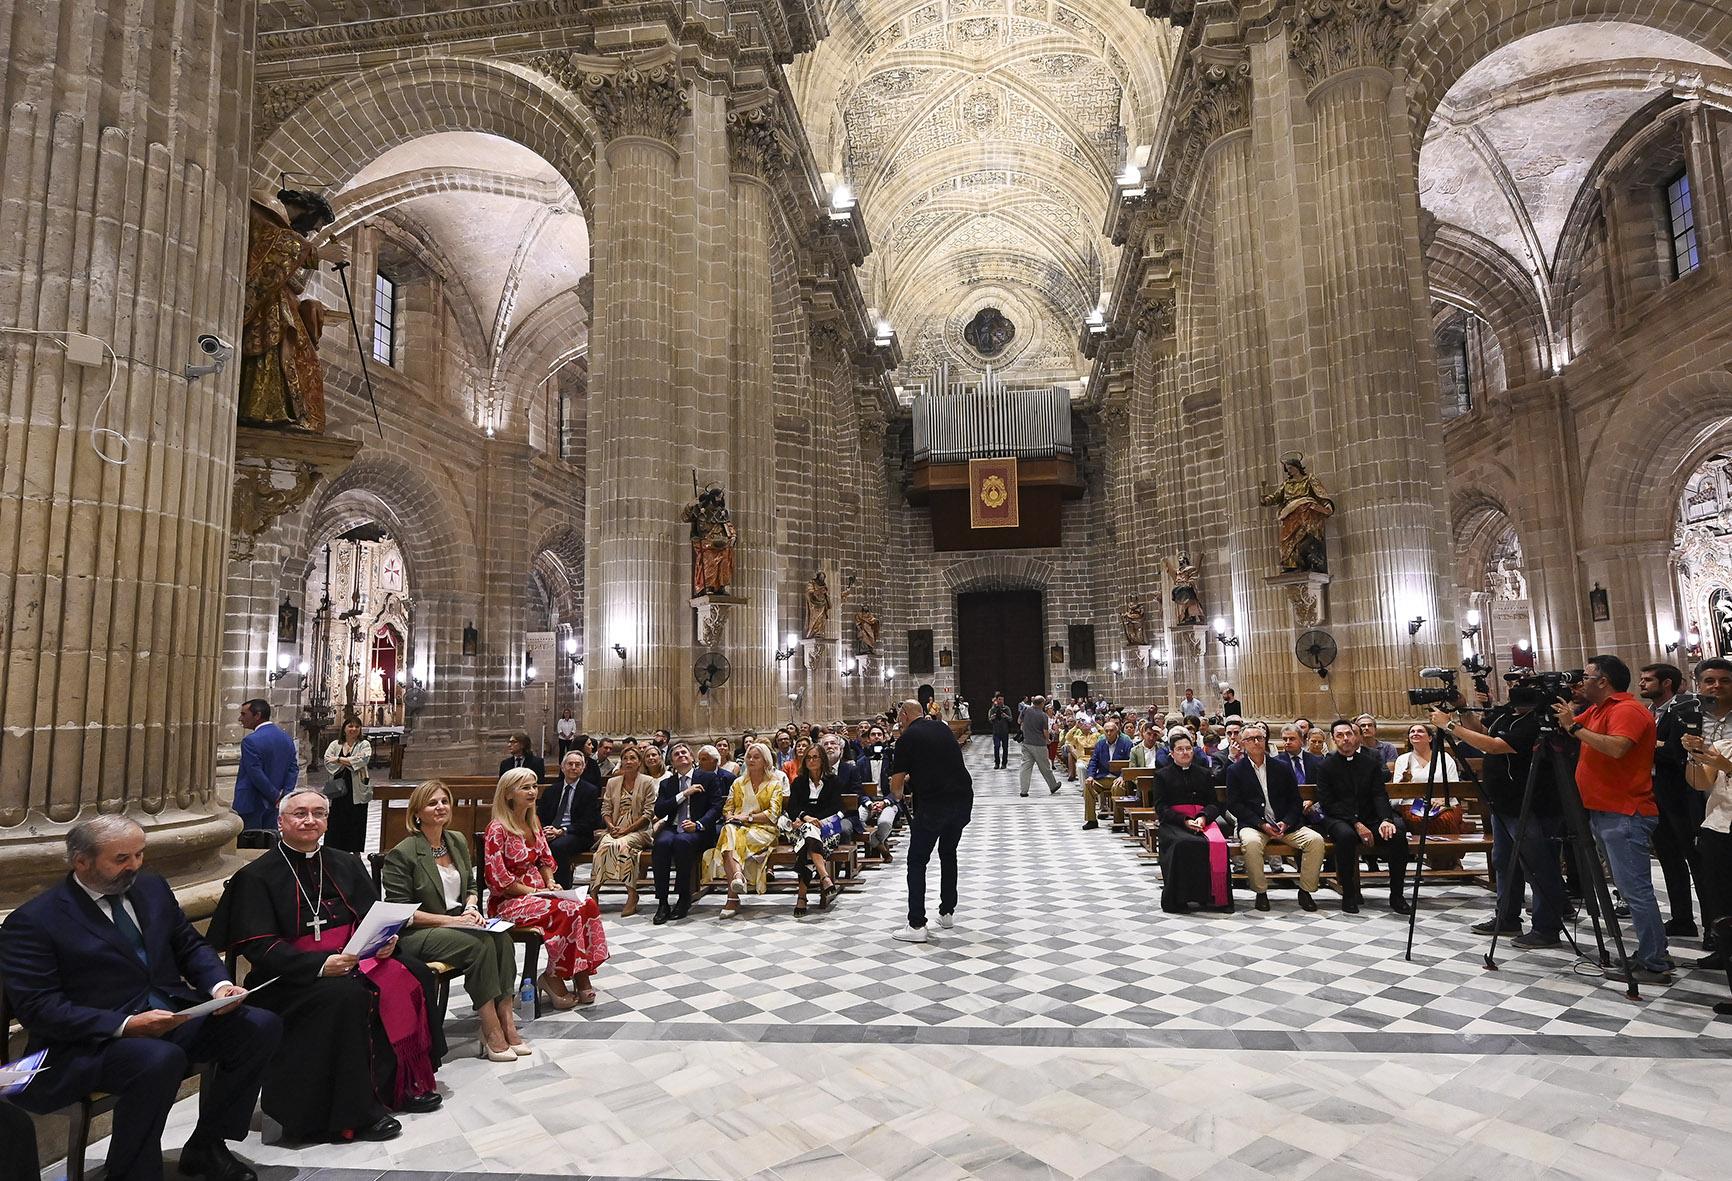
pixel 1579 838
pixel 1442 740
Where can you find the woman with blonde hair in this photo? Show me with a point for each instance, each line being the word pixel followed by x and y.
pixel 628 808
pixel 520 888
pixel 749 828
pixel 432 868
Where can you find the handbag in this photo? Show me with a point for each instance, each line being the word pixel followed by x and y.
pixel 1445 819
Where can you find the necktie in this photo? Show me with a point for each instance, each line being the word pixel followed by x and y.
pixel 129 930
pixel 685 810
pixel 1298 767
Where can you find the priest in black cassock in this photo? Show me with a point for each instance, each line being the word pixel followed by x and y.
pixel 360 1039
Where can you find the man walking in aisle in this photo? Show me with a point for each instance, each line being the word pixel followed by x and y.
pixel 1000 717
pixel 1036 730
pixel 928 754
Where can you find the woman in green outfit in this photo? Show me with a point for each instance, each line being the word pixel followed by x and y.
pixel 433 867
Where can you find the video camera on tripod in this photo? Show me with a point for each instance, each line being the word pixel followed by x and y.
pixel 1549 687
pixel 1449 693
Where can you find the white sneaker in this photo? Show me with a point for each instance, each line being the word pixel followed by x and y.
pixel 912 934
pixel 947 921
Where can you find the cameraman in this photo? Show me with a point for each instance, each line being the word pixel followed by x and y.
pixel 1508 738
pixel 1677 714
pixel 1615 776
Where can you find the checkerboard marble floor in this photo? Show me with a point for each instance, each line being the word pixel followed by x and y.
pixel 1067 1028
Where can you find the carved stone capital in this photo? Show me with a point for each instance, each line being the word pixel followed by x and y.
pixel 274 103
pixel 756 146
pixel 628 98
pixel 1327 37
pixel 1219 99
pixel 1177 11
pixel 1157 319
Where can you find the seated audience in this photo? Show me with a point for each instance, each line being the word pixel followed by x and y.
pixel 348 787
pixel 432 868
pixel 812 821
pixel 1300 761
pixel 1316 747
pixel 791 765
pixel 749 819
pixel 628 808
pixel 653 764
pixel 877 812
pixel 1148 751
pixel 846 768
pixel 1413 765
pixel 1357 815
pixel 518 869
pixel 1076 740
pixel 1371 744
pixel 688 811
pixel 606 760
pixel 98 966
pixel 1098 781
pixel 366 1039
pixel 520 752
pixel 570 815
pixel 725 753
pixel 1194 869
pixel 1263 796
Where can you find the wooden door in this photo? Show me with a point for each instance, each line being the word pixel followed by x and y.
pixel 1001 639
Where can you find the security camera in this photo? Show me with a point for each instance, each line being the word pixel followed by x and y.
pixel 214 347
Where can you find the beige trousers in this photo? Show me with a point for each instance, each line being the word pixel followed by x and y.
pixel 1310 845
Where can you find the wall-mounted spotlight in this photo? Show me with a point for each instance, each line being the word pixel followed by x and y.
pixel 619 651
pixel 1414 624
pixel 787 652
pixel 1221 636
pixel 282 669
pixel 528 675
pixel 887 673
pixel 1116 667
pixel 1472 628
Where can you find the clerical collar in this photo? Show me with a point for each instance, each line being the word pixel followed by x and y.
pixel 290 851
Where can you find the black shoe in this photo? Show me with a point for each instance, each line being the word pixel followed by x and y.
pixel 1491 927
pixel 1682 928
pixel 1535 939
pixel 1091 824
pixel 681 909
pixel 664 912
pixel 1642 975
pixel 1350 906
pixel 212 1159
pixel 383 1128
pixel 1262 902
pixel 1306 902
pixel 421 1104
pixel 1711 963
pixel 1399 904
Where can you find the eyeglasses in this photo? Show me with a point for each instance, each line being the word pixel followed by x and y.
pixel 306 815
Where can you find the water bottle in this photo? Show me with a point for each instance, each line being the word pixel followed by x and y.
pixel 526 993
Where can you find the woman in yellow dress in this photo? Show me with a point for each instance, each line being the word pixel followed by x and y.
pixel 749 830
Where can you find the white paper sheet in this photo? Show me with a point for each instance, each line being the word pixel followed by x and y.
pixel 377 927
pixel 220 1002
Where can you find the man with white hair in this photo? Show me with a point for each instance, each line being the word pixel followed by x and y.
pixel 928 754
pixel 688 811
pixel 1036 730
pixel 100 966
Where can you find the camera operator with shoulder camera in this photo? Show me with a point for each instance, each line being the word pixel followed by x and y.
pixel 1615 776
pixel 1508 736
pixel 1677 715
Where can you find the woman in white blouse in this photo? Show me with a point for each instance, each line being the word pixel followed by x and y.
pixel 1414 766
pixel 348 787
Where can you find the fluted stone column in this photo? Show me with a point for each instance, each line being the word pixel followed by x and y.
pixel 755 694
pixel 1386 467
pixel 121 216
pixel 637 571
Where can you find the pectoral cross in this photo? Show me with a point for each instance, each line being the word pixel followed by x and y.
pixel 318 923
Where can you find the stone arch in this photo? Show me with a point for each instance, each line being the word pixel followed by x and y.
pixel 1451 35
pixel 415 504
pixel 1634 473
pixel 1471 272
pixel 1478 519
pixel 558 559
pixel 989 572
pixel 356 120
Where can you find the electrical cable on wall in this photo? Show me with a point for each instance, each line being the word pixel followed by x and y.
pixel 101 437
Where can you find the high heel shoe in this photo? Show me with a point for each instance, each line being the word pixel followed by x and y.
pixel 493 1055
pixel 563 1001
pixel 521 1049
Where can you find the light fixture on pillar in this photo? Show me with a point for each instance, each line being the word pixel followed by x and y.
pixel 619 651
pixel 529 673
pixel 787 652
pixel 1694 642
pixel 1471 631
pixel 1414 624
pixel 1117 668
pixel 848 667
pixel 887 673
pixel 282 669
pixel 842 200
pixel 1221 636
pixel 1673 639
pixel 1096 321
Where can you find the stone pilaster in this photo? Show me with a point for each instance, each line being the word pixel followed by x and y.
pixel 637 571
pixel 121 216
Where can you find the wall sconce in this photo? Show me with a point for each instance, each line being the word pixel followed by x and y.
pixel 1117 668
pixel 787 653
pixel 1414 624
pixel 528 675
pixel 1676 638
pixel 887 673
pixel 842 199
pixel 1472 629
pixel 849 667
pixel 282 669
pixel 619 651
pixel 1221 636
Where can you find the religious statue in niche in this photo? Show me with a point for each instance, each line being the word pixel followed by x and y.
pixel 1136 622
pixel 1187 605
pixel 989 333
pixel 713 539
pixel 282 383
pixel 817 606
pixel 1302 509
pixel 865 632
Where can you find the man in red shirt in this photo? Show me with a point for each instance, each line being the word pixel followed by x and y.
pixel 1615 776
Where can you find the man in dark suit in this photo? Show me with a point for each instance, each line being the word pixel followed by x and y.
pixel 689 815
pixel 1302 763
pixel 98 966
pixel 520 752
pixel 570 815
pixel 1264 799
pixel 270 767
pixel 877 812
pixel 846 769
pixel 1356 812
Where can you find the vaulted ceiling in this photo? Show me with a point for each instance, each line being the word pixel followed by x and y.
pixel 981 138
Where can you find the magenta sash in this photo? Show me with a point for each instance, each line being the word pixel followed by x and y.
pixel 1218 892
pixel 402 1011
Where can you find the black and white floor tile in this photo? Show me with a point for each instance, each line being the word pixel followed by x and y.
pixel 1066 1027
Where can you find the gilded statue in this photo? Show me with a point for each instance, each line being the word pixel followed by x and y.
pixel 817 606
pixel 1303 508
pixel 713 539
pixel 282 383
pixel 1135 617
pixel 865 631
pixel 1187 605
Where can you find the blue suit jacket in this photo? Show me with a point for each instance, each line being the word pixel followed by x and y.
pixel 1103 755
pixel 1312 763
pixel 74 977
pixel 269 768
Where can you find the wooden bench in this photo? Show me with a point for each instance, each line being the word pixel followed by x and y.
pixel 471 807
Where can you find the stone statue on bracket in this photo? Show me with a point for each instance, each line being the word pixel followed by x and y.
pixel 1187 604
pixel 713 538
pixel 1136 622
pixel 817 606
pixel 282 382
pixel 1301 510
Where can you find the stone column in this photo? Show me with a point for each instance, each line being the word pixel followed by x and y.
pixel 121 217
pixel 637 567
pixel 754 695
pixel 1385 469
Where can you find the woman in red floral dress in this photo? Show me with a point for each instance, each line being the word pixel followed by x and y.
pixel 519 870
